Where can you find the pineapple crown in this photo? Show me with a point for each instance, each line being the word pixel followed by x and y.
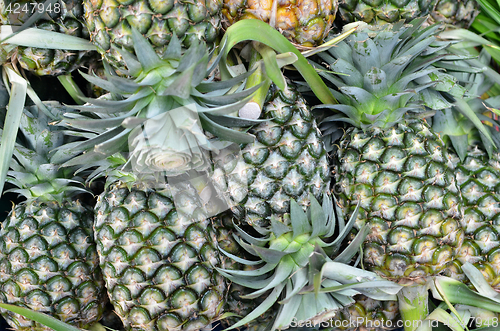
pixel 386 73
pixel 160 114
pixel 32 169
pixel 114 169
pixel 300 255
pixel 466 122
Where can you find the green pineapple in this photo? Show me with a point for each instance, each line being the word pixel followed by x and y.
pixel 287 259
pixel 397 168
pixel 456 12
pixel 64 16
pixel 478 176
pixel 477 164
pixel 110 23
pixel 155 240
pixel 383 10
pixel 287 160
pixel 158 257
pixel 48 258
pixel 460 13
pixel 390 161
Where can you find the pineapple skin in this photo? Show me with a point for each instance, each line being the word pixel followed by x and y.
pixel 158 259
pixel 408 195
pixel 110 23
pixel 287 160
pixel 305 22
pixel 233 301
pixel 383 10
pixel 64 16
pixel 460 13
pixel 479 179
pixel 457 12
pixel 368 315
pixel 49 263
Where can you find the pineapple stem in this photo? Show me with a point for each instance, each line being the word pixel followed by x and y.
pixel 413 305
pixel 253 108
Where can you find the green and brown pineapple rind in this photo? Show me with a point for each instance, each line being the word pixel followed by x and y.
pixel 460 13
pixel 287 160
pixel 158 258
pixel 110 23
pixel 63 16
pixel 305 22
pixel 383 10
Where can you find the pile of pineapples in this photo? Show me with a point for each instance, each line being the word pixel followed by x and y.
pixel 251 165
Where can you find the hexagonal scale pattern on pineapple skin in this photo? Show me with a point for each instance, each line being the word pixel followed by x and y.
pixel 287 160
pixel 158 258
pixel 48 262
pixel 406 187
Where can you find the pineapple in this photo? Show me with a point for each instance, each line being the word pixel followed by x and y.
pixel 235 304
pixel 390 161
pixel 397 168
pixel 158 257
pixel 383 10
pixel 111 22
pixel 156 244
pixel 64 16
pixel 456 12
pixel 48 258
pixel 478 176
pixel 158 112
pixel 287 160
pixel 477 165
pixel 305 22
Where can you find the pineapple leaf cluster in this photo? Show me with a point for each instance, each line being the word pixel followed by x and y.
pixel 377 87
pixel 292 258
pixel 32 170
pixel 165 95
pixel 48 257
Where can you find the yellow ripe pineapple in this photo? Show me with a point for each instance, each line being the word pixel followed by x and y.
pixel 305 22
